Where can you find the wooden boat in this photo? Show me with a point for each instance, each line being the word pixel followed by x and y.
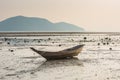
pixel 66 53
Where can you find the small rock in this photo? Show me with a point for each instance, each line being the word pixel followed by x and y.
pixel 110 48
pixel 32 73
pixel 60 45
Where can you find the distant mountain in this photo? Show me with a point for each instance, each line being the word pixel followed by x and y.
pixel 21 23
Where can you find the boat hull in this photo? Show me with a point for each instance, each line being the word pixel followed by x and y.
pixel 67 53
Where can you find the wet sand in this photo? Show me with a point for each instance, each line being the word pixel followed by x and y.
pixel 89 65
pixel 99 60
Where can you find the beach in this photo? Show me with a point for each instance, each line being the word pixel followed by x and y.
pixel 99 59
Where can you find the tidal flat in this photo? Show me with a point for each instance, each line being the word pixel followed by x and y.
pixel 99 59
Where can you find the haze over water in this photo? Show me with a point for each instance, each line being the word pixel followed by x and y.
pixel 92 15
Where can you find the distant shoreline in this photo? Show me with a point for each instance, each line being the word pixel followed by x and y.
pixel 32 34
pixel 37 32
pixel 17 34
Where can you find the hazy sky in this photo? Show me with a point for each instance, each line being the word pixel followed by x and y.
pixel 92 15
